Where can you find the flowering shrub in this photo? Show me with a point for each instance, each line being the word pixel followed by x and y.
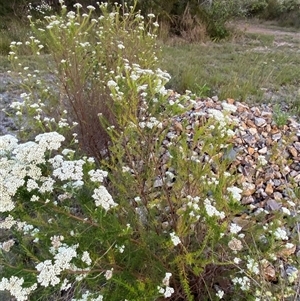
pixel 159 218
pixel 159 227
pixel 86 51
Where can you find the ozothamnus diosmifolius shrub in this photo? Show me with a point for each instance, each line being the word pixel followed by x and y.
pixel 157 216
pixel 84 51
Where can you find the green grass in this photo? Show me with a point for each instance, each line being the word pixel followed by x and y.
pixel 12 29
pixel 241 69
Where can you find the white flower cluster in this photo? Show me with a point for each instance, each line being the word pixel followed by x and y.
pixel 7 223
pixel 166 290
pixel 56 242
pixel 193 204
pixel 243 282
pixel 211 210
pixel 67 170
pixel 49 141
pixel 219 116
pixel 175 239
pixel 281 234
pixel 234 228
pixel 153 122
pixel 262 160
pixel 14 286
pixel 137 75
pixel 48 272
pixel 108 274
pixel 19 161
pixel 86 258
pixel 252 266
pixel 235 192
pixel 103 198
pixel 5 246
pixel 97 175
pixel 229 107
pixel 220 294
pixel 223 122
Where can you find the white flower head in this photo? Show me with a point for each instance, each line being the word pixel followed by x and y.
pixel 97 175
pixel 90 7
pixel 77 5
pixel 108 274
pixel 220 294
pixel 252 266
pixel 112 84
pixel 121 46
pixel 280 234
pixel 234 228
pixel 86 258
pixel 262 160
pixel 14 286
pixel 235 192
pixel 6 246
pixel 166 280
pixel 175 239
pixel 103 198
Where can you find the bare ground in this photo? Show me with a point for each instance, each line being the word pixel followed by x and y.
pixel 266 28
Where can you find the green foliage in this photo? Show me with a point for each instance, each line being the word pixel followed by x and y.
pixel 255 7
pixel 286 12
pixel 15 8
pixel 280 116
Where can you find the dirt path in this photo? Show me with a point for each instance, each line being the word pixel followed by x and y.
pixel 268 29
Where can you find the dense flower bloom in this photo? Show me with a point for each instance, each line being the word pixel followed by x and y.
pixel 103 198
pixel 14 286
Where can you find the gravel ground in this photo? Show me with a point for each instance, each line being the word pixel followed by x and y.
pixel 9 92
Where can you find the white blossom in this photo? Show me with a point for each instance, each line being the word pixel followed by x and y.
pixel 103 198
pixel 235 192
pixel 280 234
pixel 86 258
pixel 49 272
pixel 243 282
pixel 229 107
pixel 91 7
pixel 97 175
pixel 77 5
pixel 6 246
pixel 112 84
pixel 14 286
pixel 220 294
pixel 212 210
pixel 166 280
pixel 108 274
pixel 175 239
pixel 252 266
pixel 234 228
